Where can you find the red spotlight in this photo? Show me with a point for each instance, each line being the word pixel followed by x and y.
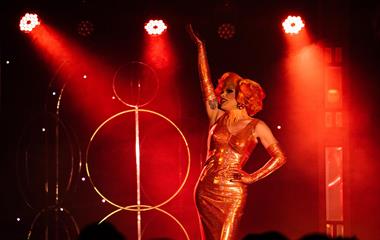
pixel 293 24
pixel 28 22
pixel 155 27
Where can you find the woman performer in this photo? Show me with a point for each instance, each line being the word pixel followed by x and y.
pixel 221 191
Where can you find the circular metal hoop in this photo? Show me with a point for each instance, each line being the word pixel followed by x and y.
pixel 155 208
pixel 138 208
pixel 135 84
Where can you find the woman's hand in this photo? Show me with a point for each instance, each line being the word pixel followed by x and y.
pixel 243 177
pixel 193 35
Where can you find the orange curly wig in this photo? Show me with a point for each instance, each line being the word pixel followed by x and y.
pixel 249 93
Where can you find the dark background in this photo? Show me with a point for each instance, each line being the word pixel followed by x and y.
pixel 290 201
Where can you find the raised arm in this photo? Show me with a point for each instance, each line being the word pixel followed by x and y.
pixel 209 98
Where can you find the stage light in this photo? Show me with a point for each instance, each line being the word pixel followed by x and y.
pixel 53 93
pixel 18 219
pixel 7 62
pixel 28 22
pixel 84 76
pixel 226 31
pixel 293 24
pixel 278 127
pixel 43 129
pixel 85 28
pixel 155 27
pixel 83 179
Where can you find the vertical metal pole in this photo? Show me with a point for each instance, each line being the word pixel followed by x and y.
pixel 137 151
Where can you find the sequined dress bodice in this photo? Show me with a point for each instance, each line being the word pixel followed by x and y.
pixel 228 151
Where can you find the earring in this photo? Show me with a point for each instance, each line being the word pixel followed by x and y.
pixel 241 106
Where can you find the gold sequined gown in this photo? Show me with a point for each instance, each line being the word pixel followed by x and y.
pixel 220 202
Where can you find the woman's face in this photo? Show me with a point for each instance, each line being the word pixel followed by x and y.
pixel 227 99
